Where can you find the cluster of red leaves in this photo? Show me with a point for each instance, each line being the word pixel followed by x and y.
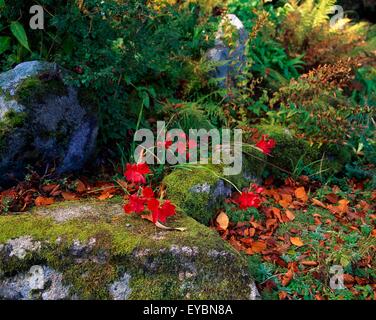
pixel 278 206
pixel 266 145
pixel 248 199
pixel 144 198
pixel 135 173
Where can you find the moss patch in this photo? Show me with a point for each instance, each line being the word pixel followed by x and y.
pixel 290 152
pixel 34 89
pixel 11 120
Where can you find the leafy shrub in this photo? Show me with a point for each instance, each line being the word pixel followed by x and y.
pixel 125 56
pixel 316 105
pixel 267 56
pixel 306 30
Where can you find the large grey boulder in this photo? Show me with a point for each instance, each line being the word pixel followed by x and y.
pixel 92 250
pixel 230 61
pixel 42 121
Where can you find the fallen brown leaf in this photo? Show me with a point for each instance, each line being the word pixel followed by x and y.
pixel 296 241
pixel 80 187
pixel 286 278
pixel 43 201
pixel 290 215
pixel 301 194
pixel 223 220
pixel 258 246
pixel 318 203
pixel 69 196
pixel 309 263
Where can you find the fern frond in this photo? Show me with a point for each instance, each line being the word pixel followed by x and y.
pixel 322 11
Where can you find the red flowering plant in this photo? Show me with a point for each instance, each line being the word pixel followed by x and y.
pixel 143 200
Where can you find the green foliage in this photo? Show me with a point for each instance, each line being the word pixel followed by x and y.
pixel 243 215
pixel 268 57
pixel 306 30
pixel 126 54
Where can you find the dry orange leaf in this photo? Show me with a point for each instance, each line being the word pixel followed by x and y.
pixel 309 263
pixel 277 214
pixel 283 203
pixel 69 196
pixel 105 195
pixel 286 278
pixel 290 215
pixel 50 187
pixel 348 279
pixel 258 246
pixel 223 220
pixel 287 197
pixel 43 201
pixel 256 225
pixel 301 194
pixel 81 187
pixel 270 222
pixel 282 295
pixel 342 207
pixel 249 251
pixel 318 203
pixel 286 200
pixel 296 241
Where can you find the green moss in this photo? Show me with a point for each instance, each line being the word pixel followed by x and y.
pixel 155 288
pixel 195 204
pixel 200 205
pixel 9 122
pixel 34 89
pixel 90 280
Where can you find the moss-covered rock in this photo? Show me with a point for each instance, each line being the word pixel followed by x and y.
pixel 198 190
pixel 289 151
pixel 35 89
pixel 294 154
pixel 42 121
pixel 92 250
